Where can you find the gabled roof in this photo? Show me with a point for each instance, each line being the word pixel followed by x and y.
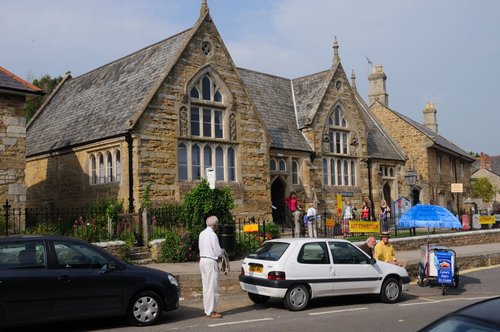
pixel 14 84
pixel 100 103
pixel 380 143
pixel 309 91
pixel 439 141
pixel 273 99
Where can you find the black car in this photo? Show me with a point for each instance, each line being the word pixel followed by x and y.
pixel 52 278
pixel 478 317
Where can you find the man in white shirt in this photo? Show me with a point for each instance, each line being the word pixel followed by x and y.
pixel 210 251
pixel 311 221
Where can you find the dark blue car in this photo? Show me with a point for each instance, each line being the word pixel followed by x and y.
pixel 50 278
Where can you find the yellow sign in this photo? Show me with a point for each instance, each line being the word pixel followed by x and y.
pixel 251 228
pixel 339 205
pixel 364 226
pixel 457 187
pixel 484 220
pixel 330 222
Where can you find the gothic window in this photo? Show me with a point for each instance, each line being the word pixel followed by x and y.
pixel 109 167
pixel 93 170
pixel 462 170
pixel 295 172
pixel 195 162
pixel 212 132
pixel 182 162
pixel 339 172
pixel 282 165
pixel 104 167
pixel 338 132
pixel 118 166
pixel 439 164
pixel 272 165
pixel 100 170
pixel 231 162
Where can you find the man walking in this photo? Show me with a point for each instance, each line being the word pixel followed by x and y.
pixel 210 251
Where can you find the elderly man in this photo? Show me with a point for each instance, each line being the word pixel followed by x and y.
pixel 210 251
pixel 384 251
pixel 368 246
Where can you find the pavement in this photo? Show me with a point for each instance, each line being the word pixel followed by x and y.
pixel 188 274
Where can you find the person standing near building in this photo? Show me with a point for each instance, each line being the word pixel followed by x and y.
pixel 312 221
pixel 347 215
pixel 365 211
pixel 293 207
pixel 385 214
pixel 210 251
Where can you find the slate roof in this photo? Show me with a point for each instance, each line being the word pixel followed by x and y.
pixel 438 140
pixel 14 84
pixel 309 91
pixel 495 165
pixel 380 144
pixel 100 103
pixel 272 96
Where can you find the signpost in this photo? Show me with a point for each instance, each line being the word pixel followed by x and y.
pixel 210 172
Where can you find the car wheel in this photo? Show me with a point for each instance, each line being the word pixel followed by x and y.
pixel 421 275
pixel 145 309
pixel 391 291
pixel 258 299
pixel 297 297
pixel 456 277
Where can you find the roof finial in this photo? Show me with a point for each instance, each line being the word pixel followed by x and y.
pixel 353 80
pixel 204 8
pixel 336 58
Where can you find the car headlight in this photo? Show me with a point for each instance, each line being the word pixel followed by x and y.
pixel 172 280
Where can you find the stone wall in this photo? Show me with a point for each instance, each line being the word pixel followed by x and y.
pixel 12 151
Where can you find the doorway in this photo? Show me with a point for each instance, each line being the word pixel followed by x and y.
pixel 278 200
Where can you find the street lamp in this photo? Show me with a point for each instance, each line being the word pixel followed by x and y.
pixel 411 180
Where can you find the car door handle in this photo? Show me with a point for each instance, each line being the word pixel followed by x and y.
pixel 65 278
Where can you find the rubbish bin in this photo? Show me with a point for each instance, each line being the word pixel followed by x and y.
pixel 227 239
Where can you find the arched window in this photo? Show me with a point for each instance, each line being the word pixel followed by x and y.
pixel 109 167
pixel 332 170
pixel 282 165
pixel 207 119
pixel 353 173
pixel 182 162
pixel 118 166
pixel 339 173
pixel 207 156
pixel 219 164
pixel 195 162
pixel 93 170
pixel 231 162
pixel 338 132
pixel 272 165
pixel 101 171
pixel 295 172
pixel 325 171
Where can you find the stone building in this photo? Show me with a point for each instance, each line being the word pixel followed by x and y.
pixel 438 162
pixel 165 114
pixel 14 92
pixel 487 166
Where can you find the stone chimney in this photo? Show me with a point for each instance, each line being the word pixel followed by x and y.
pixel 430 117
pixel 484 161
pixel 377 90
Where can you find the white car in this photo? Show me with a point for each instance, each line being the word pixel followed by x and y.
pixel 299 269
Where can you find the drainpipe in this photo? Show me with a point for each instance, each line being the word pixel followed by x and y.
pixel 370 195
pixel 128 139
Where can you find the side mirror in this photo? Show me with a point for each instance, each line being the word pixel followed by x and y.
pixel 372 261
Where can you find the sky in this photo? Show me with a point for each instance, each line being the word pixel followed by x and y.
pixel 445 51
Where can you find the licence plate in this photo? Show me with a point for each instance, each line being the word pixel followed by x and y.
pixel 256 268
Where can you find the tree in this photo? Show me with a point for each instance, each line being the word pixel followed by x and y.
pixel 482 188
pixel 47 84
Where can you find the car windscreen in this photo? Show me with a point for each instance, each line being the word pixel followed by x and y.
pixel 269 251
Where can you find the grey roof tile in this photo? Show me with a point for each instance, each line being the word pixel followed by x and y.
pixel 273 99
pixel 309 91
pixel 98 104
pixel 11 82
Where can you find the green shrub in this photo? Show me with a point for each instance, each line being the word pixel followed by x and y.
pixel 44 228
pixel 246 243
pixel 273 231
pixel 178 246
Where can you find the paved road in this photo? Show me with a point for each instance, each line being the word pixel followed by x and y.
pixel 419 306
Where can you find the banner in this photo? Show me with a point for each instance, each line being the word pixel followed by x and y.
pixel 485 220
pixel 443 263
pixel 339 205
pixel 330 222
pixel 356 226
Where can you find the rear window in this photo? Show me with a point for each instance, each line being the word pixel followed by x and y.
pixel 22 255
pixel 269 251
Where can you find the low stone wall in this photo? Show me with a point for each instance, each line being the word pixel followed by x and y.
pixel 117 248
pixel 457 239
